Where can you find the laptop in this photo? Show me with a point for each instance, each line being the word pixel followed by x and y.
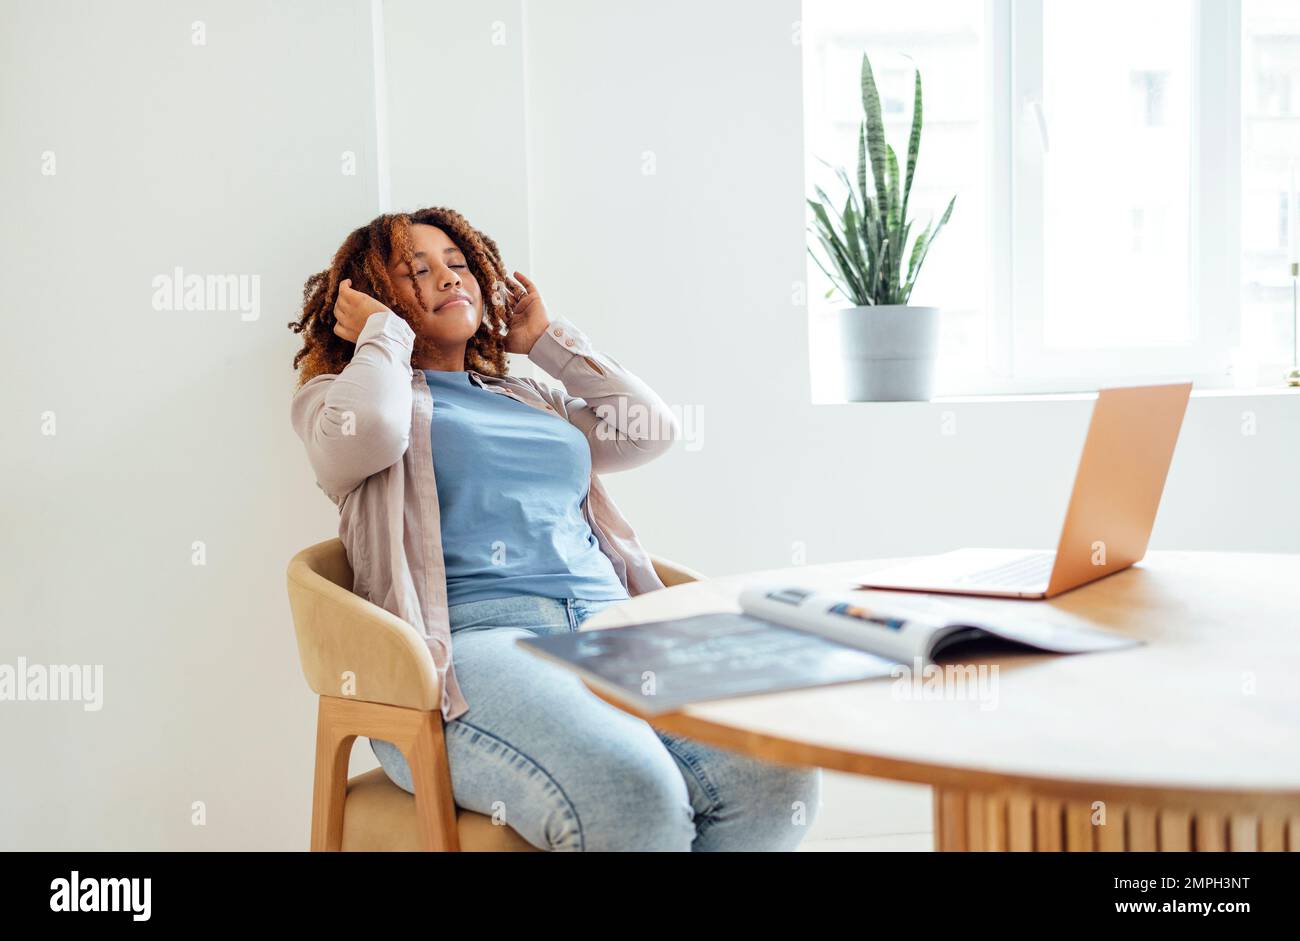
pixel 1117 489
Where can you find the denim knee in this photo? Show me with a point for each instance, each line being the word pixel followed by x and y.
pixel 645 808
pixel 782 808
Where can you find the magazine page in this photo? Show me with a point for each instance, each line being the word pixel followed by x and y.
pixel 903 625
pixel 1033 623
pixel 852 618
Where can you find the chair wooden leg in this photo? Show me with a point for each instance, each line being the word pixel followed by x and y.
pixel 333 748
pixel 435 808
pixel 419 737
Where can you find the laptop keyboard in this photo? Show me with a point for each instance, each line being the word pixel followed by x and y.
pixel 1026 571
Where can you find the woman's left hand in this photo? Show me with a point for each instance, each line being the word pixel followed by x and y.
pixel 528 318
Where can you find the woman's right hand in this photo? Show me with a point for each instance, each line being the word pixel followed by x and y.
pixel 351 311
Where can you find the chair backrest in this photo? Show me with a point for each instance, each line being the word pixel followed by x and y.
pixel 350 648
pixel 329 560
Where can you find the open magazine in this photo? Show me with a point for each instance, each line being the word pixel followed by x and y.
pixel 789 637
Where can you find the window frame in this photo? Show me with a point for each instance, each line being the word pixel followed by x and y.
pixel 1016 360
pixel 1214 265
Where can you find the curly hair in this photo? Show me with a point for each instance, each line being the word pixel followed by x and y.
pixel 364 257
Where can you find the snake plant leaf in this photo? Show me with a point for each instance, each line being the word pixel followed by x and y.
pixel 823 219
pixel 913 142
pixel 926 250
pixel 932 235
pixel 852 235
pixel 862 160
pixel 836 256
pixel 874 253
pixel 843 178
pixel 882 283
pixel 837 283
pixel 902 247
pixel 895 204
pixel 836 251
pixel 947 214
pixel 916 250
pixel 874 131
pixel 826 201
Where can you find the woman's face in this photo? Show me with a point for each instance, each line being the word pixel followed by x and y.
pixel 453 302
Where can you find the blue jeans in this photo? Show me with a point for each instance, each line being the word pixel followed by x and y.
pixel 539 752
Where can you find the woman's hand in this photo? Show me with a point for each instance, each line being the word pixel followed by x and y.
pixel 528 317
pixel 351 311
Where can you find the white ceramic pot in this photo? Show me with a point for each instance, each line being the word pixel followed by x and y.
pixel 888 352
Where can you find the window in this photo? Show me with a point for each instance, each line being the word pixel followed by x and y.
pixel 1123 171
pixel 1270 132
pixel 1102 175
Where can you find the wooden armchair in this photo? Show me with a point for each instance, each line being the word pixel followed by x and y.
pixel 396 698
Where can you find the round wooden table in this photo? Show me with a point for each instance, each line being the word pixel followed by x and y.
pixel 1189 742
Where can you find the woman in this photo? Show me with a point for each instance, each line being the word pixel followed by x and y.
pixel 403 370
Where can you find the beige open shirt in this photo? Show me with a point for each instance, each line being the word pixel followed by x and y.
pixel 366 431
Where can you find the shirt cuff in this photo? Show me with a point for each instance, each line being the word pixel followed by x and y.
pixel 556 347
pixel 385 323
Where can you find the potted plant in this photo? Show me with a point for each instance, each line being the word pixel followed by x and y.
pixel 888 347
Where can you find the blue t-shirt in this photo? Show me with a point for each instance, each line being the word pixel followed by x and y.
pixel 511 480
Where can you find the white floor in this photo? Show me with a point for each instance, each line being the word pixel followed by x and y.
pixel 860 814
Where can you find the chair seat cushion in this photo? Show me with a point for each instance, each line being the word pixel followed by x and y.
pixel 379 816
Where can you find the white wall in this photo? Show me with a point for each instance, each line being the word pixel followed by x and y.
pixel 172 426
pixel 456 121
pixel 455 114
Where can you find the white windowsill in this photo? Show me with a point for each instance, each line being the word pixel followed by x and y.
pixel 1080 396
pixel 1260 392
